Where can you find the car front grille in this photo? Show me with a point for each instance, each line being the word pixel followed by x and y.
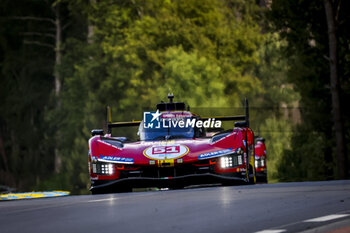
pixel 159 172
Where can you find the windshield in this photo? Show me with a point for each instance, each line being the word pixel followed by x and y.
pixel 167 129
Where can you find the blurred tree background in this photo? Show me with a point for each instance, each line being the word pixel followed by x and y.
pixel 63 61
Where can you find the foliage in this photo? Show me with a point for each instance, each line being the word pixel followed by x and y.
pixel 302 163
pixel 208 53
pixel 303 25
pixel 25 87
pixel 278 133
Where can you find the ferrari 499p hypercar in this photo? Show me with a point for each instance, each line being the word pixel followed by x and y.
pixel 173 151
pixel 260 160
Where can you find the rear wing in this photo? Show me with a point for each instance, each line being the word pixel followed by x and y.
pixel 111 124
pixel 243 118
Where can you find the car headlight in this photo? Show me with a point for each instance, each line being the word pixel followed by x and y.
pixel 260 162
pixel 103 168
pixel 226 162
pixel 107 168
pixel 231 161
pixel 239 159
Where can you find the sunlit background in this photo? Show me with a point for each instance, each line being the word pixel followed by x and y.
pixel 62 62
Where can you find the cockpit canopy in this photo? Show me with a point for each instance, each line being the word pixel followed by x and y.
pixel 171 125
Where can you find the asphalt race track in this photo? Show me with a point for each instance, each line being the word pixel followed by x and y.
pixel 285 207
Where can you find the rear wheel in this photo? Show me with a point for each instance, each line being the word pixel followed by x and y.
pixel 263 179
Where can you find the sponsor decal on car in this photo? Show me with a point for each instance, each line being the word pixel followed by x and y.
pixel 113 159
pixel 161 152
pixel 214 154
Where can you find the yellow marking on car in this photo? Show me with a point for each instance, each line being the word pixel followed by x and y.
pixel 31 195
pixel 166 163
pixel 252 161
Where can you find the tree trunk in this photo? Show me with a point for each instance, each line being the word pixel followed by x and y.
pixel 58 60
pixel 3 155
pixel 91 27
pixel 58 51
pixel 335 91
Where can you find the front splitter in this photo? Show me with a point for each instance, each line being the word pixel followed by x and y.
pixel 126 184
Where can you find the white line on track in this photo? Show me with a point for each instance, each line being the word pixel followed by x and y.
pixel 319 219
pixel 58 205
pixel 327 218
pixel 120 197
pixel 272 231
pixel 107 199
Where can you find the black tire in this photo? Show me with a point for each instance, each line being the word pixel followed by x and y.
pixel 265 179
pixel 261 179
pixel 228 183
pixel 95 192
pixel 123 189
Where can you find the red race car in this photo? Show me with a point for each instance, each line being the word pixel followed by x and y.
pixel 260 160
pixel 173 151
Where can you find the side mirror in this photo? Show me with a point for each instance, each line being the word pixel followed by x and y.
pixel 97 132
pixel 260 139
